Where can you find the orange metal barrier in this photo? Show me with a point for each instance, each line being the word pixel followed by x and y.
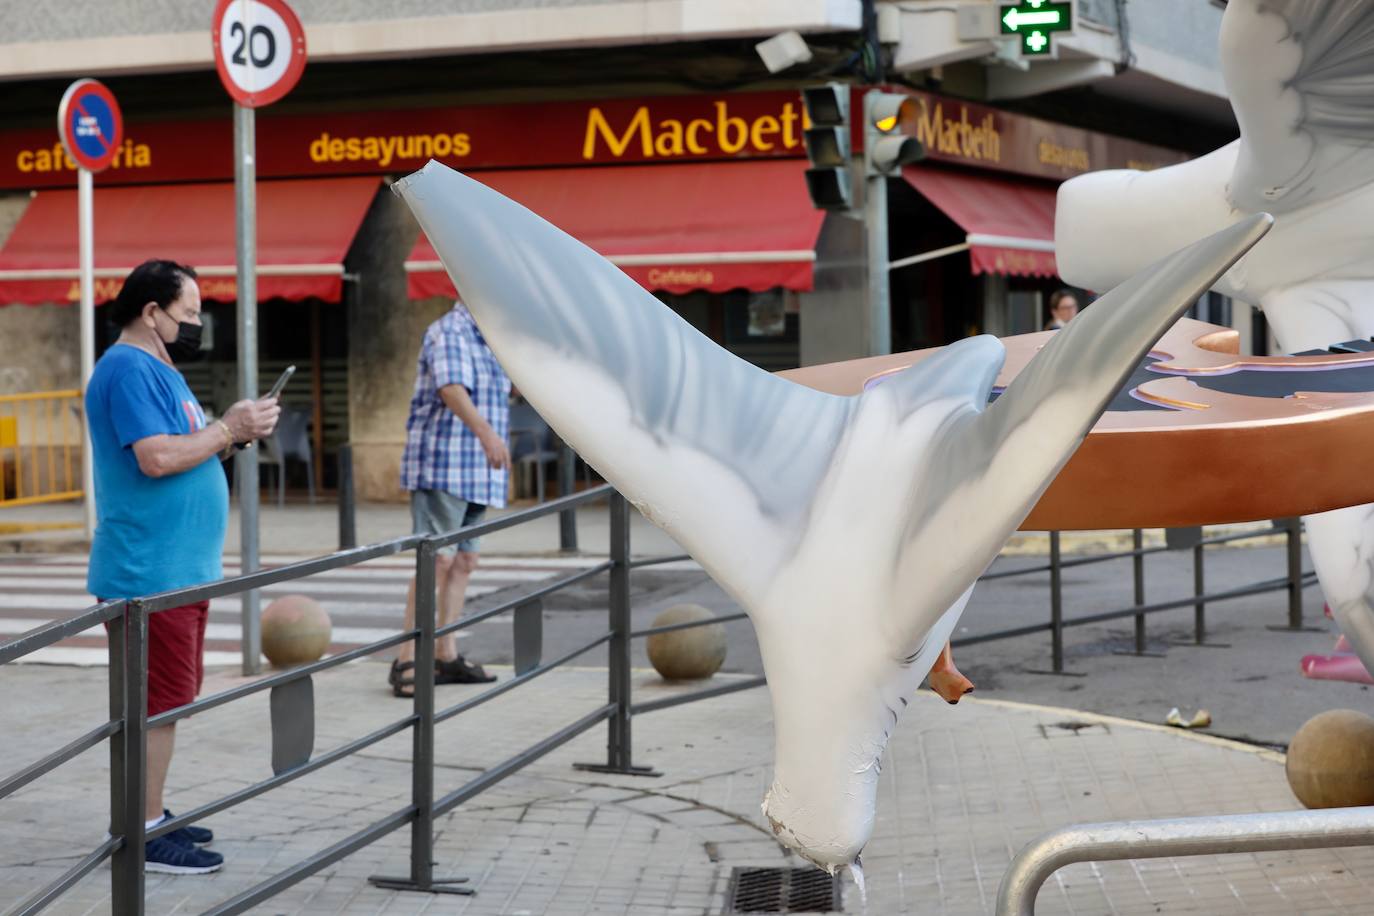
pixel 40 448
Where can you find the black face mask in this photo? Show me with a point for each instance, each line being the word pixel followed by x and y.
pixel 186 348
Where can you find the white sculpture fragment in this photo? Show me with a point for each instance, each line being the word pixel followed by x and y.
pixel 850 529
pixel 1300 74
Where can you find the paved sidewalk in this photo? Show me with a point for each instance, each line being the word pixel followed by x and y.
pixel 962 789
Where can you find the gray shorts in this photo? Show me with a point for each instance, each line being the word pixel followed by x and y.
pixel 438 512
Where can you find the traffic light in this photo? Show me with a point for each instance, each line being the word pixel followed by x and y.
pixel 886 147
pixel 827 145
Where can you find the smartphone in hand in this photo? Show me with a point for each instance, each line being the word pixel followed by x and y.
pixel 281 382
pixel 277 386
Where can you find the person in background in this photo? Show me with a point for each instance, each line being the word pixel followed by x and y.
pixel 162 504
pixel 455 465
pixel 1063 306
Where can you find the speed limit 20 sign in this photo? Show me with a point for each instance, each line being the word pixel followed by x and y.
pixel 259 49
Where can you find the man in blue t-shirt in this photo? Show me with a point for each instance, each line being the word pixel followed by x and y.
pixel 162 505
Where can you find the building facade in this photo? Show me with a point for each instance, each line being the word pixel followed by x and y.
pixel 649 130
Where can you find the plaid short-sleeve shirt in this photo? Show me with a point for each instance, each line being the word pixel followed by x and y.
pixel 441 453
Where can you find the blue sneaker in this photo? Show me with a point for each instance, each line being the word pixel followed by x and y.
pixel 169 857
pixel 199 836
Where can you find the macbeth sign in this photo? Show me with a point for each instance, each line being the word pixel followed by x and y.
pixel 663 129
pixel 976 135
pixel 672 128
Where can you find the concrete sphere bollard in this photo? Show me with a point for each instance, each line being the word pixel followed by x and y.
pixel 295 630
pixel 1331 760
pixel 685 655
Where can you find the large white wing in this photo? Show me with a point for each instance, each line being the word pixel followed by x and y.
pixel 721 454
pixel 983 481
pixel 1300 74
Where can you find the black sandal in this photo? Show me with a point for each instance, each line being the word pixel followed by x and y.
pixel 399 683
pixel 460 671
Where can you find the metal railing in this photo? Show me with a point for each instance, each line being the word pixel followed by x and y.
pixel 40 448
pixel 127 725
pixel 1293 582
pixel 1187 836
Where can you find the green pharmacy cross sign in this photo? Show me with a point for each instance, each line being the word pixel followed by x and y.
pixel 1034 21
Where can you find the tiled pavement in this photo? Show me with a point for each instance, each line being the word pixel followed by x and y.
pixel 963 788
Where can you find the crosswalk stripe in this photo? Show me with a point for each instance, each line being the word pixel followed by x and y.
pixel 99 657
pixel 398 561
pixel 310 586
pixel 75 601
pixel 350 636
pixel 16 574
pixel 367 598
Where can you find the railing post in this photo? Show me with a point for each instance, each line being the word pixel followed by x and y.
pixel 620 749
pixel 567 481
pixel 421 876
pixel 1199 589
pixel 1295 573
pixel 1056 607
pixel 348 528
pixel 619 745
pixel 128 756
pixel 422 758
pixel 1138 578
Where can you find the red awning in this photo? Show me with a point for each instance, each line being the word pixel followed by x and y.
pixel 714 226
pixel 1010 223
pixel 304 230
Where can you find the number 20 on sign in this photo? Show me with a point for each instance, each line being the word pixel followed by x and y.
pixel 259 49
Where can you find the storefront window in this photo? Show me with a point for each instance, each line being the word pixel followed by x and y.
pixel 761 327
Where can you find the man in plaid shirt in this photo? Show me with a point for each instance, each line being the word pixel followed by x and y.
pixel 454 465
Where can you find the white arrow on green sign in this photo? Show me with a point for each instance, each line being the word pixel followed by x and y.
pixel 1015 19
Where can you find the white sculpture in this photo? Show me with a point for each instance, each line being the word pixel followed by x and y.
pixel 1300 74
pixel 850 529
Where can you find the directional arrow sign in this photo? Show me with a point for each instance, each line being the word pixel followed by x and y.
pixel 1023 17
pixel 1034 21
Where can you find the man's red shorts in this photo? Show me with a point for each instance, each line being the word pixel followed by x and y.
pixel 176 656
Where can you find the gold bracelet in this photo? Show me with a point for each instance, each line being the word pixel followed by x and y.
pixel 228 435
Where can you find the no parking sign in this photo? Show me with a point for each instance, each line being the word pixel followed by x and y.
pixel 90 124
pixel 259 49
pixel 91 127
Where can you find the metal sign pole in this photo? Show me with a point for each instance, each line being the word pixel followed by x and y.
pixel 85 212
pixel 879 313
pixel 246 247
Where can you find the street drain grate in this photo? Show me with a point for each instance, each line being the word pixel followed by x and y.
pixel 783 890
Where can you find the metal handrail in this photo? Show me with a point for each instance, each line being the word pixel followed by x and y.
pixel 50 633
pixel 258 788
pixel 695 695
pixel 59 757
pixel 1186 836
pixel 1296 580
pixel 277 680
pixel 689 625
pixel 245 901
pixel 1122 554
pixel 524 598
pixel 127 727
pixel 520 679
pixel 64 883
